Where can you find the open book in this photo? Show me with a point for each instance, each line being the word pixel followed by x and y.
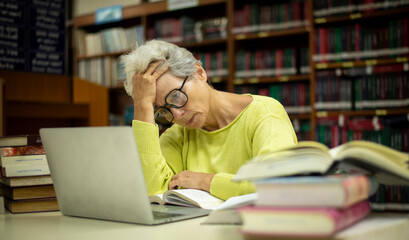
pixel 389 166
pixel 187 198
pixel 202 199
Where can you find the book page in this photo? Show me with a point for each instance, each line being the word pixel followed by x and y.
pixel 238 201
pixel 192 197
pixel 388 165
pixel 158 198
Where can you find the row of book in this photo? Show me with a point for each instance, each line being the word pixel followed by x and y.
pixel 267 63
pixel 383 90
pixel 110 40
pixel 109 71
pixel 186 29
pixel 302 129
pixel 326 8
pixel 390 198
pixel 105 71
pixel 360 42
pixel 392 131
pixel 294 96
pixel 25 180
pixel 271 17
pixel 215 63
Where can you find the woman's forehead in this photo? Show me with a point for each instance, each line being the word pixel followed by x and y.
pixel 166 83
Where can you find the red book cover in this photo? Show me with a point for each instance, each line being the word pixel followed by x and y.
pixel 208 62
pixel 364 124
pixel 279 61
pixel 389 68
pixel 25 150
pixel 246 18
pixel 307 11
pixel 334 136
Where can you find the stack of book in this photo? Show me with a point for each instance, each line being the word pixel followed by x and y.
pixel 25 181
pixel 315 206
pixel 300 195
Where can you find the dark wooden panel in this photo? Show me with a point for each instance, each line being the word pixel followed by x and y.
pixel 35 87
pixel 46 110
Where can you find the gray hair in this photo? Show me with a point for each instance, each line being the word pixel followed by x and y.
pixel 181 62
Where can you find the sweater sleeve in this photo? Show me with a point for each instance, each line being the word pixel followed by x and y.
pixel 155 168
pixel 224 187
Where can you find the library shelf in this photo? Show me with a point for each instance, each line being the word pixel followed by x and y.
pixel 204 43
pixel 256 80
pixel 359 15
pixel 271 34
pixel 363 113
pixel 47 110
pixel 362 63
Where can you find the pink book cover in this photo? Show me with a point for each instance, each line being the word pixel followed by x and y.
pixel 341 218
pixel 356 188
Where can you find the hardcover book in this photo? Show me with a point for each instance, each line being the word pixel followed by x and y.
pixel 300 222
pixel 340 191
pixel 26 181
pixel 387 165
pixel 31 205
pixel 24 150
pixel 19 193
pixel 6 161
pixel 25 170
pixel 20 140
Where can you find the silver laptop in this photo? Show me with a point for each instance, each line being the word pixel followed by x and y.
pixel 97 173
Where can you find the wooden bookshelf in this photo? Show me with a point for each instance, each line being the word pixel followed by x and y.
pixel 353 17
pixel 363 63
pixel 1 105
pixel 34 100
pixel 363 113
pixel 297 37
pixel 280 79
pixel 273 34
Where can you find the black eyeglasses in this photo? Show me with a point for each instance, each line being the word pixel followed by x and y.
pixel 175 99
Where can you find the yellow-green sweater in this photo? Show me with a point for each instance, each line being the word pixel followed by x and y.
pixel 262 127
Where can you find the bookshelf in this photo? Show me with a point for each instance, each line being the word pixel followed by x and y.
pixel 274 49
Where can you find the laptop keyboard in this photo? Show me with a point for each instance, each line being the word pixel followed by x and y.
pixel 163 215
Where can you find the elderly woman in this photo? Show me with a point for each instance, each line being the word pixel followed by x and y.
pixel 213 132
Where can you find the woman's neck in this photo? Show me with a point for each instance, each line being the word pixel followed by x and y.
pixel 224 107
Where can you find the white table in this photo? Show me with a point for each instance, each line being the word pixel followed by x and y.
pixel 54 225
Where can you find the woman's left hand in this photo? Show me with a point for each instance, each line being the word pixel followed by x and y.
pixel 189 179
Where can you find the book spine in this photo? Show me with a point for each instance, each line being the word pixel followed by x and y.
pixel 25 150
pixel 29 192
pixel 23 159
pixel 347 217
pixel 34 140
pixel 356 188
pixel 25 170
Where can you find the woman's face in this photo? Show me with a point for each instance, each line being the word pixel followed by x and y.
pixel 194 113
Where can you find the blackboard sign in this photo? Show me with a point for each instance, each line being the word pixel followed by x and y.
pixel 32 36
pixel 12 35
pixel 47 36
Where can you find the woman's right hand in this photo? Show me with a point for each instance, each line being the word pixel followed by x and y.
pixel 144 91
